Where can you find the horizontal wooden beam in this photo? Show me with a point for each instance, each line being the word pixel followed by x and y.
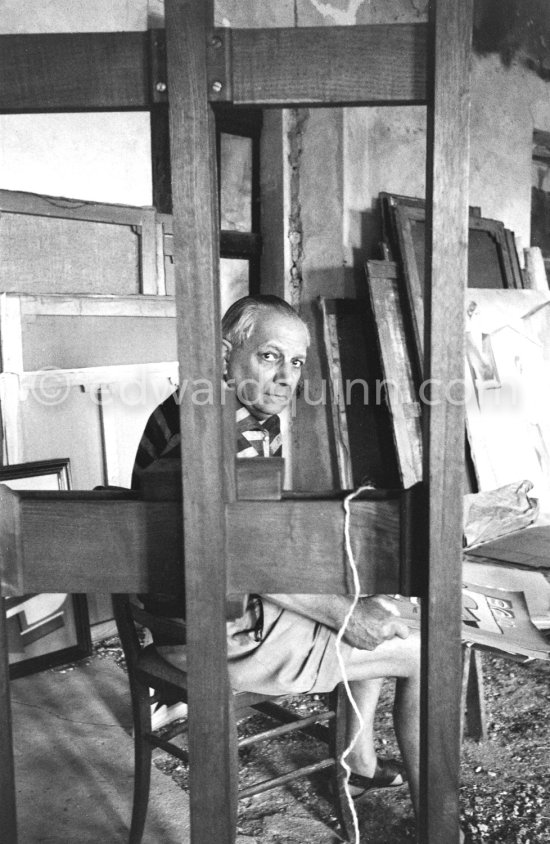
pixel 298 546
pixel 296 66
pixel 319 65
pixel 88 542
pixel 74 71
pixel 100 541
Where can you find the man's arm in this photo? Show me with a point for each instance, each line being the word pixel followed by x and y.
pixel 373 621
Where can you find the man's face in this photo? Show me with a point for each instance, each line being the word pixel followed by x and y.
pixel 266 368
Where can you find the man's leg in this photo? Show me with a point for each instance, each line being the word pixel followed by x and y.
pixel 398 658
pixel 362 758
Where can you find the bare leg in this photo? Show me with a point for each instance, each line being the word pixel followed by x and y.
pixel 398 658
pixel 406 720
pixel 362 758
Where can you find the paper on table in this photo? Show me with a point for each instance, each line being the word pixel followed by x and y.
pixel 496 619
pixel 533 584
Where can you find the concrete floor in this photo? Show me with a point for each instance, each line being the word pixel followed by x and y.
pixel 74 761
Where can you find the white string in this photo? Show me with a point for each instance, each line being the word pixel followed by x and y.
pixel 341 632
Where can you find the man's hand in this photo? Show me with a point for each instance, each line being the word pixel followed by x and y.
pixel 374 620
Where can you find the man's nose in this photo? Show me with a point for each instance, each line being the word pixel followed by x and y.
pixel 285 372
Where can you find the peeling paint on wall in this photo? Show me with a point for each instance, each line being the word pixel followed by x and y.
pixel 341 17
pixel 298 118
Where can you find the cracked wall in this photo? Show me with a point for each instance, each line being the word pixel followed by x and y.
pixel 295 128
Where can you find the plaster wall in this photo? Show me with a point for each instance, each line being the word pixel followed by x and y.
pixel 264 13
pixel 384 149
pixel 507 105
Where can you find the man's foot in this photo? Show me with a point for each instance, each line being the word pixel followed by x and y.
pixel 162 715
pixel 389 773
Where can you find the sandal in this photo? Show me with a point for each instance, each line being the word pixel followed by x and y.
pixel 389 773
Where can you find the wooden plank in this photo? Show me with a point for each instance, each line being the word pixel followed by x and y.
pixel 60 305
pixel 148 252
pixel 37 205
pixel 260 477
pixel 8 816
pixel 265 538
pixel 337 404
pixel 514 258
pixel 50 72
pixel 400 392
pixel 279 533
pixel 321 65
pixel 446 278
pixel 213 760
pixel 84 528
pixel 95 376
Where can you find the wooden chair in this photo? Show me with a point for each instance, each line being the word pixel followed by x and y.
pixel 148 670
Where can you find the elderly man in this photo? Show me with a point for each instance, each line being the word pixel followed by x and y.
pixel 286 644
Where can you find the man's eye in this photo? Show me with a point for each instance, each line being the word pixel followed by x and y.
pixel 269 355
pixel 298 364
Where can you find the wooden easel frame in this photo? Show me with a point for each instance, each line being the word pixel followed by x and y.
pixel 392 64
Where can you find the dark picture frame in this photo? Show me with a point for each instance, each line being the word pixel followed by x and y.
pixel 492 256
pixel 44 630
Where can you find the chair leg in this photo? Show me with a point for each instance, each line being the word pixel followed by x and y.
pixel 473 718
pixel 337 746
pixel 143 753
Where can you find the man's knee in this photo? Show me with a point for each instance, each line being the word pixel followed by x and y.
pixel 407 655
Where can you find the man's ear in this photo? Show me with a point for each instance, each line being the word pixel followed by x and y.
pixel 226 351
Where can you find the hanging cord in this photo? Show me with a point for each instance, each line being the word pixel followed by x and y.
pixel 340 635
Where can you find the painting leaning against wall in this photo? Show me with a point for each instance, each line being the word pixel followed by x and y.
pixel 44 630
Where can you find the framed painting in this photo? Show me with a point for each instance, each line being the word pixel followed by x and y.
pixel 492 256
pixel 44 630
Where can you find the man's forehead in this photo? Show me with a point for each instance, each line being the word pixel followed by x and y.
pixel 278 329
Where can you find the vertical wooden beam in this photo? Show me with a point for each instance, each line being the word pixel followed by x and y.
pixel 160 155
pixel 8 817
pixel 446 279
pixel 212 756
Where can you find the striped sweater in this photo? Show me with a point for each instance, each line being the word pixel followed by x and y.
pixel 161 439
